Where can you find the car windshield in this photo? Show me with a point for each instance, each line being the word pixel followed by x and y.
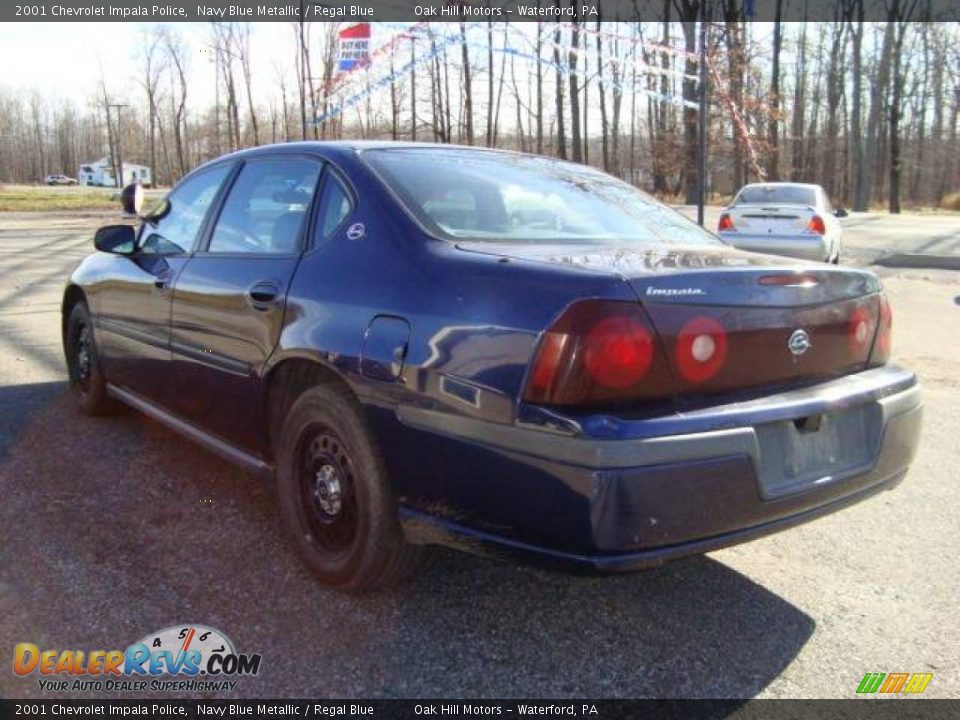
pixel 776 195
pixel 506 198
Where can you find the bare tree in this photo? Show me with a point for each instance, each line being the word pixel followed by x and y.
pixel 604 122
pixel 834 80
pixel 152 69
pixel 178 95
pixel 242 39
pixel 561 137
pixel 878 95
pixel 735 68
pixel 773 165
pixel 575 139
pixel 688 11
pixel 467 85
pixel 899 14
pixel 539 71
pixel 854 9
pixel 799 108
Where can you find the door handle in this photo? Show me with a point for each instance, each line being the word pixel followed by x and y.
pixel 162 282
pixel 263 295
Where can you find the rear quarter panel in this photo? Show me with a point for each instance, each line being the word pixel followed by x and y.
pixel 474 323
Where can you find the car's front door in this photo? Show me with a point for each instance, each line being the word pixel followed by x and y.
pixel 228 301
pixel 133 315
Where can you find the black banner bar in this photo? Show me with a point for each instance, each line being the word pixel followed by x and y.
pixel 442 10
pixel 854 709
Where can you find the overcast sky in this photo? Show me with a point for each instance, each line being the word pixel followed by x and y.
pixel 63 59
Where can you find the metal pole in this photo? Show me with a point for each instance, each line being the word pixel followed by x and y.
pixel 702 149
pixel 216 97
pixel 120 182
pixel 118 176
pixel 303 77
pixel 413 89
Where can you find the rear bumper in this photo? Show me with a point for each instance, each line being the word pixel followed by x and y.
pixel 678 485
pixel 803 246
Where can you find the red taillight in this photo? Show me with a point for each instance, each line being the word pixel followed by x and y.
pixel 881 346
pixel 617 352
pixel 701 349
pixel 816 225
pixel 726 223
pixel 597 351
pixel 860 331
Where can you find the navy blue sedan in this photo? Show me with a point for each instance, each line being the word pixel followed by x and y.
pixel 508 354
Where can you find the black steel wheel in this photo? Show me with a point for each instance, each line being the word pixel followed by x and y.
pixel 334 495
pixel 327 479
pixel 83 363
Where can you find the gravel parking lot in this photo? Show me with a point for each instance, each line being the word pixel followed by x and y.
pixel 112 528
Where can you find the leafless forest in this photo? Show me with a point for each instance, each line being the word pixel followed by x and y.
pixel 867 109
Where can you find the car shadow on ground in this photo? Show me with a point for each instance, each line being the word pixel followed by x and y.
pixel 115 527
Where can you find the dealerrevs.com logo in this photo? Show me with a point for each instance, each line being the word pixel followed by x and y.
pixel 894 683
pixel 198 658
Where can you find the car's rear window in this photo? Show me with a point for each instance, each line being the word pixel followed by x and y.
pixel 776 195
pixel 501 197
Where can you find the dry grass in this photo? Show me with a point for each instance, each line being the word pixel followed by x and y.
pixel 951 201
pixel 23 198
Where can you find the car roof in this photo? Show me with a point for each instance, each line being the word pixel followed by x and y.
pixel 341 146
pixel 335 150
pixel 809 186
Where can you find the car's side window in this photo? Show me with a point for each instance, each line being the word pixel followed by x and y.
pixel 335 205
pixel 267 207
pixel 172 228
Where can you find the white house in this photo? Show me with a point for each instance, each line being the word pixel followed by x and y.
pixel 101 173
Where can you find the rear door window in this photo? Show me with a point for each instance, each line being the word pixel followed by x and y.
pixel 487 196
pixel 267 207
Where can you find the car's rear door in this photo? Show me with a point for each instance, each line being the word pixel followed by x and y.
pixel 133 311
pixel 228 301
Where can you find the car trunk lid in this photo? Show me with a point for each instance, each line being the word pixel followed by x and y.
pixel 729 320
pixel 770 219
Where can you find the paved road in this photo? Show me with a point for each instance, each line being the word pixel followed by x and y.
pixel 112 528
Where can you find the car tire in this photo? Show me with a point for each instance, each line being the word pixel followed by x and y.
pixel 86 377
pixel 334 496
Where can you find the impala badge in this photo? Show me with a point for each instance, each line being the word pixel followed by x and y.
pixel 356 231
pixel 799 342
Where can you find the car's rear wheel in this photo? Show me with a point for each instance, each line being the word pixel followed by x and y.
pixel 334 496
pixel 83 364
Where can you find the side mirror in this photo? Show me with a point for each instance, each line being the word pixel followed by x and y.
pixel 840 212
pixel 132 199
pixel 116 239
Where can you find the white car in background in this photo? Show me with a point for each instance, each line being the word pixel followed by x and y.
pixel 59 179
pixel 793 219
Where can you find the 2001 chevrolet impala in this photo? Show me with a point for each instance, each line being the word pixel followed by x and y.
pixel 504 353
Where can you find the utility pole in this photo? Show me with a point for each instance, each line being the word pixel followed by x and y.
pixel 303 76
pixel 413 88
pixel 216 97
pixel 702 150
pixel 118 161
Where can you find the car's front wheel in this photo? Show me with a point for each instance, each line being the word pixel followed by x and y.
pixel 334 496
pixel 83 363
